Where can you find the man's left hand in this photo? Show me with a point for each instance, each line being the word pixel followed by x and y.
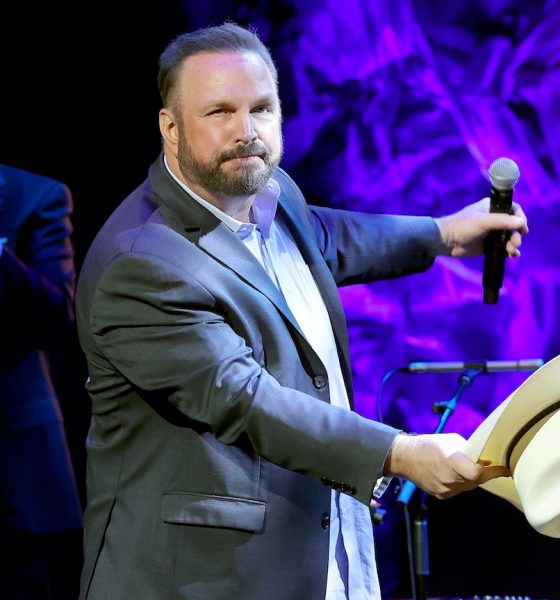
pixel 463 232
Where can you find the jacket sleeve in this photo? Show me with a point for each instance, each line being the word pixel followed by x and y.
pixel 361 247
pixel 164 331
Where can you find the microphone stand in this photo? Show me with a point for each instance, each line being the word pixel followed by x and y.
pixel 418 552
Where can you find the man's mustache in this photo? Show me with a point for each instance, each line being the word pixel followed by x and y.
pixel 251 149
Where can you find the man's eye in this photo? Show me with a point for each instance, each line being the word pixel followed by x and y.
pixel 262 109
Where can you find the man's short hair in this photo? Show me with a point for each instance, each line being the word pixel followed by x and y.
pixel 228 37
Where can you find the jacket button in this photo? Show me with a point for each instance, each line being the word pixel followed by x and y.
pixel 325 521
pixel 319 381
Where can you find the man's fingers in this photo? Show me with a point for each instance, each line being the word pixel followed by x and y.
pixel 465 468
pixel 512 246
pixel 510 222
pixel 518 212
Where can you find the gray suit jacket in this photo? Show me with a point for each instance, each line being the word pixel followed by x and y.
pixel 213 448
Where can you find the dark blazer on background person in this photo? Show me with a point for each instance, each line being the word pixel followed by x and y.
pixel 37 281
pixel 212 452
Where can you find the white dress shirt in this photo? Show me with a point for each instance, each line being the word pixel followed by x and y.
pixel 352 572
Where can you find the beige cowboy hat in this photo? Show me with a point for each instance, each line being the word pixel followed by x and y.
pixel 523 433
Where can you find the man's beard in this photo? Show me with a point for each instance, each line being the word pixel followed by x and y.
pixel 246 180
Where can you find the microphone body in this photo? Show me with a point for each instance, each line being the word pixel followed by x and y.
pixel 504 174
pixel 486 366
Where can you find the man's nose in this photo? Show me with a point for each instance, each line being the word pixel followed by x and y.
pixel 245 129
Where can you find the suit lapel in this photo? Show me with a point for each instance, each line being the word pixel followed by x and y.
pixel 221 243
pixel 320 272
pixel 305 240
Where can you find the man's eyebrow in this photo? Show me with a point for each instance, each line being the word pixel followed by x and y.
pixel 269 99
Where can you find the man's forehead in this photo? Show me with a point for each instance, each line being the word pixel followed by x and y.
pixel 211 63
pixel 228 74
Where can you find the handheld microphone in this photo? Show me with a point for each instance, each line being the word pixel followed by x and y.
pixel 504 174
pixel 486 366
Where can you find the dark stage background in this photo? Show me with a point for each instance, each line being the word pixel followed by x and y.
pixel 389 107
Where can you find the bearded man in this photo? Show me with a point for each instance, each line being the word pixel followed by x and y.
pixel 224 457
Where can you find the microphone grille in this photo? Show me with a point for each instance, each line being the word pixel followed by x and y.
pixel 504 173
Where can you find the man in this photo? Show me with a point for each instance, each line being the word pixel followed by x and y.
pixel 41 518
pixel 223 459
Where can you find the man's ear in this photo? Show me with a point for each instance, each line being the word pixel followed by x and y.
pixel 168 128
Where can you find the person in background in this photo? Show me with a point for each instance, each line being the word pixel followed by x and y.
pixel 224 457
pixel 40 507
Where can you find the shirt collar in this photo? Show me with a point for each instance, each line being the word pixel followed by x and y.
pixel 263 209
